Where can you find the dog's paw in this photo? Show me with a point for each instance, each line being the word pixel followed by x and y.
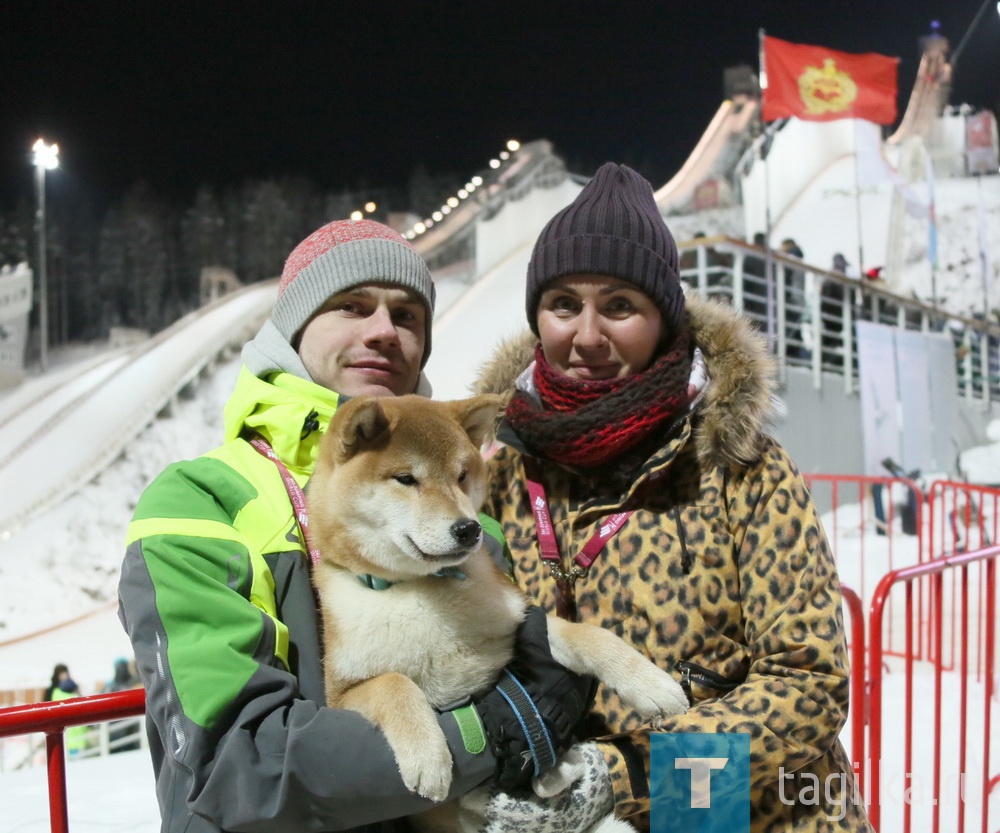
pixel 426 770
pixel 654 694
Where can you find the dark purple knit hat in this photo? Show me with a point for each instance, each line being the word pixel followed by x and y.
pixel 614 228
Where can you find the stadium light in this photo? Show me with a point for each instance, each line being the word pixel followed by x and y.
pixel 45 158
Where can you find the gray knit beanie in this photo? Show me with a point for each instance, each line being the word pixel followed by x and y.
pixel 341 255
pixel 614 228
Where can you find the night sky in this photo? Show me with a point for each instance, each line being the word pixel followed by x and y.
pixel 352 93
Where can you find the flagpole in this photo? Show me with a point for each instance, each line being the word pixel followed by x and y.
pixel 857 203
pixel 983 265
pixel 765 153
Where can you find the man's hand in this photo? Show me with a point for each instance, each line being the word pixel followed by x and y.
pixel 531 715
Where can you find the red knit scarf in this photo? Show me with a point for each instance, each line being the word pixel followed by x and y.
pixel 587 424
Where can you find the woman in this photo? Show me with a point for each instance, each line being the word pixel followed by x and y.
pixel 63 687
pixel 634 441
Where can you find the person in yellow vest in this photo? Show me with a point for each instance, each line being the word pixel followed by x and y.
pixel 64 687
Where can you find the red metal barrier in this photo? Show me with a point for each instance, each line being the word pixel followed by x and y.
pixel 53 719
pixel 984 637
pixel 875 525
pixel 859 700
pixel 962 517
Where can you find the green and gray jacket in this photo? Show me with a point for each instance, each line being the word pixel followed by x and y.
pixel 216 599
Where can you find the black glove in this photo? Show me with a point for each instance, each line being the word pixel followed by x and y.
pixel 532 713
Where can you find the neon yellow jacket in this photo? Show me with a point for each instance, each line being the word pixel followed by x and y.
pixel 216 598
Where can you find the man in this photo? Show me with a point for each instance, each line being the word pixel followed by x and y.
pixel 215 592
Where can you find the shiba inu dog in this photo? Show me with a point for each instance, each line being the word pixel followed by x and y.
pixel 393 503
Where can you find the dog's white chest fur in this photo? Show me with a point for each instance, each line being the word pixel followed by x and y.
pixel 450 636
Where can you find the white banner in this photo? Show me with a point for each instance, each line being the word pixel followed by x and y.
pixel 913 374
pixel 880 422
pixel 899 411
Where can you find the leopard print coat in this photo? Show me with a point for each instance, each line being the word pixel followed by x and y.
pixel 722 575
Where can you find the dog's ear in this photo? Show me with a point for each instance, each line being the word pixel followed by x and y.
pixel 478 416
pixel 365 426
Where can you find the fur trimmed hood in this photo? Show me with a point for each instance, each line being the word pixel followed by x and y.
pixel 738 401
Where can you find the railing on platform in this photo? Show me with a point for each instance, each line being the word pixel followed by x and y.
pixel 809 313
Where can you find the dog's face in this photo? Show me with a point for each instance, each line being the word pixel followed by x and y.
pixel 399 482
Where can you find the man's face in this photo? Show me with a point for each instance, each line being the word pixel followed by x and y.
pixel 369 339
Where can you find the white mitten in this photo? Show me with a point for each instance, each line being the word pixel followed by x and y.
pixel 575 795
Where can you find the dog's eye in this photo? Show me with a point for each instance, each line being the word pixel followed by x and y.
pixel 462 476
pixel 405 479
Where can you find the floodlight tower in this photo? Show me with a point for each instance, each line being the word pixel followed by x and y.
pixel 46 158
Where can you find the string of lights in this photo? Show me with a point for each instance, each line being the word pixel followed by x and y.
pixel 462 194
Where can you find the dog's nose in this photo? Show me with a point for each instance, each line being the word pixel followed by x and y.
pixel 466 531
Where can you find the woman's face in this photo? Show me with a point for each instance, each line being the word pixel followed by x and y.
pixel 596 327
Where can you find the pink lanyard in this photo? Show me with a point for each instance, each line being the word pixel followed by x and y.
pixel 295 494
pixel 548 545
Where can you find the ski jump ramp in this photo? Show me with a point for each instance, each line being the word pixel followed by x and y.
pixel 64 438
pixel 731 123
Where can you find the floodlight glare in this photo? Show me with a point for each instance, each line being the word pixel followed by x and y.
pixel 46 156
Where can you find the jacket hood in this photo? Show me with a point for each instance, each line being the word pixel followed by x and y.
pixel 738 401
pixel 269 352
pixel 289 412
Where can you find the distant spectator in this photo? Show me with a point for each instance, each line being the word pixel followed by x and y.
pixel 833 298
pixel 796 307
pixel 755 282
pixel 63 687
pixel 125 677
pixel 718 269
pixel 61 682
pixel 874 307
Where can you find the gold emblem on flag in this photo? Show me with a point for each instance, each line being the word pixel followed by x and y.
pixel 827 89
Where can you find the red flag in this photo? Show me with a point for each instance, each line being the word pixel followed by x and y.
pixel 820 84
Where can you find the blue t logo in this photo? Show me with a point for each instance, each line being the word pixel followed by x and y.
pixel 700 782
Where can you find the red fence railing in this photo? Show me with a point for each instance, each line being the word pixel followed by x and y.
pixel 53 719
pixel 859 716
pixel 967 712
